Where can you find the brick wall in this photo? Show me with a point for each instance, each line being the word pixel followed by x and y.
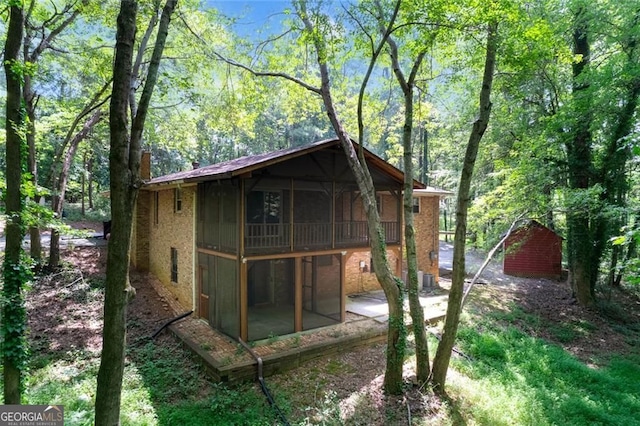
pixel 389 211
pixel 174 229
pixel 426 224
pixel 358 281
pixel 140 240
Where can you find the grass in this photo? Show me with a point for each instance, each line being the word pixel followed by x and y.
pixel 518 379
pixel 159 388
pixel 512 378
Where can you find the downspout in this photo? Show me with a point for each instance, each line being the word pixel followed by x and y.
pixel 263 385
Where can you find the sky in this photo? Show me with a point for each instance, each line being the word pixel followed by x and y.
pixel 252 14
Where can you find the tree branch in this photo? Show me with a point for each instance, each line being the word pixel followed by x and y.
pixel 46 41
pixel 135 75
pixel 488 259
pixel 138 120
pixel 91 106
pixel 286 76
pixel 374 58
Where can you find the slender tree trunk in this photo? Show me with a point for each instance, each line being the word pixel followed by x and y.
pixel 95 103
pixel 124 161
pixel 58 198
pixel 30 107
pixel 13 311
pixel 29 101
pixel 117 291
pixel 32 50
pixel 413 286
pixel 391 285
pixel 83 184
pixel 90 178
pixel 454 307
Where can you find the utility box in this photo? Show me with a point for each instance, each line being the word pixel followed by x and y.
pixel 428 282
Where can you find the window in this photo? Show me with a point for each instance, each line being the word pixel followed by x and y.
pixel 156 207
pixel 264 207
pixel 177 200
pixel 416 205
pixel 174 265
pixel 379 203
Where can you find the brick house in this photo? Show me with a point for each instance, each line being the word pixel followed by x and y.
pixel 272 244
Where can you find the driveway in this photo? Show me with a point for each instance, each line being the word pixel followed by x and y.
pixel 93 239
pixel 474 259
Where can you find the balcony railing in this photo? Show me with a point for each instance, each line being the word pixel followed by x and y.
pixel 266 235
pixel 313 235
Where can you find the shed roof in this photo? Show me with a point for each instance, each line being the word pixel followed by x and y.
pixel 430 191
pixel 246 164
pixel 532 223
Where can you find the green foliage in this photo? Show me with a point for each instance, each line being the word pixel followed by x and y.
pixel 13 328
pixel 20 69
pixel 630 265
pixel 101 211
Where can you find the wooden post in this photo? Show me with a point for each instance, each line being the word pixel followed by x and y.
pixel 297 324
pixel 241 221
pixel 343 295
pixel 291 217
pixel 242 267
pixel 244 320
pixel 333 214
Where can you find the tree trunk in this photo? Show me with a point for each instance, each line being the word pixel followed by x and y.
pixel 83 183
pixel 413 286
pixel 579 227
pixel 454 307
pixel 124 160
pixel 13 310
pixel 90 178
pixel 32 50
pixel 109 387
pixel 30 107
pixel 34 230
pixel 58 197
pixel 392 286
pixel 95 103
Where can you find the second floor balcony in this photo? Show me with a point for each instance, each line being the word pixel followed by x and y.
pixel 283 237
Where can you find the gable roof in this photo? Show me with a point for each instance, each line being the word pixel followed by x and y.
pixel 529 224
pixel 246 164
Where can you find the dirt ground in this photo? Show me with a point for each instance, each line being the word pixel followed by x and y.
pixel 65 316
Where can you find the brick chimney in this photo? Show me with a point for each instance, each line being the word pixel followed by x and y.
pixel 145 165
